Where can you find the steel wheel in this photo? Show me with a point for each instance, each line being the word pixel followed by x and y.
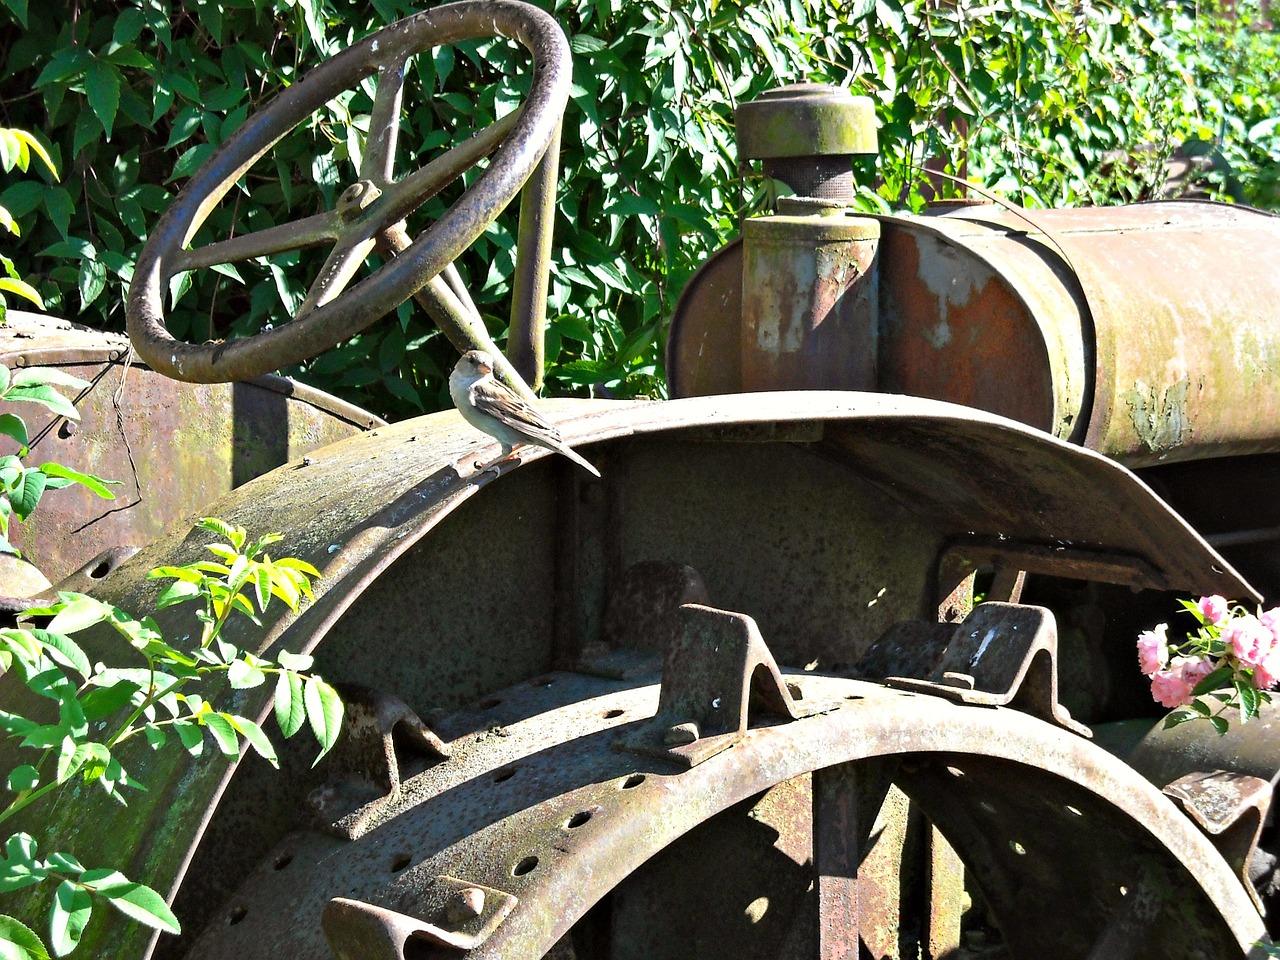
pixel 1073 851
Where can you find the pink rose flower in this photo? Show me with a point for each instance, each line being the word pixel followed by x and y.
pixel 1170 690
pixel 1192 670
pixel 1214 609
pixel 1267 672
pixel 1173 687
pixel 1271 620
pixel 1249 640
pixel 1153 649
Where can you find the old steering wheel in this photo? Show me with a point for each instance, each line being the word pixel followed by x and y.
pixel 368 209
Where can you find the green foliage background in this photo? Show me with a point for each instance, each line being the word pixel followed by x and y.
pixel 1051 104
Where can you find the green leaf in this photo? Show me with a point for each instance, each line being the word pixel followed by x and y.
pixel 45 396
pixel 1249 700
pixel 257 739
pixel 103 701
pixel 295 661
pixel 80 614
pixel 1214 681
pixel 177 592
pixel 64 650
pixel 13 426
pixel 293 563
pixel 46 376
pixel 18 941
pixel 92 281
pixel 324 713
pixel 134 900
pixel 93 483
pixel 224 734
pixel 65 863
pixel 242 676
pixel 68 917
pixel 191 736
pixel 228 531
pixel 26 495
pixel 72 757
pixel 20 288
pixel 289 706
pixel 102 85
pixel 23 778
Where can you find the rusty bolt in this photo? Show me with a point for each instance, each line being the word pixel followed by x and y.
pixel 680 734
pixel 466 904
pixel 357 198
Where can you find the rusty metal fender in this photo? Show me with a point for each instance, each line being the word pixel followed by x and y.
pixel 354 507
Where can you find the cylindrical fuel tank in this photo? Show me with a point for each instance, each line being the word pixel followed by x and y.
pixel 1150 333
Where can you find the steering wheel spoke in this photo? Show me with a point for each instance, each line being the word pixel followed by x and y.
pixel 339 267
pixel 310 231
pixel 378 163
pixel 337 305
pixel 407 195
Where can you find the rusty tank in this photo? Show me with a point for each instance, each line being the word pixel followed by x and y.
pixel 836 659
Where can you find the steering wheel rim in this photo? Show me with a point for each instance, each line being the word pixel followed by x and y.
pixel 361 214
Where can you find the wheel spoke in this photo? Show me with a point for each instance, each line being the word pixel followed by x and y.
pixel 835 859
pixel 339 267
pixel 420 186
pixel 308 232
pixel 454 279
pixel 384 124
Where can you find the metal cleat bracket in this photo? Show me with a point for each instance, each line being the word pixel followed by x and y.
pixel 1230 808
pixel 716 669
pixel 1003 654
pixel 463 916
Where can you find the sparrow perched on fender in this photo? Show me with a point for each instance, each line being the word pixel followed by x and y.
pixel 493 408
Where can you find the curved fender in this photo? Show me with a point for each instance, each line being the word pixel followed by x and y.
pixel 355 507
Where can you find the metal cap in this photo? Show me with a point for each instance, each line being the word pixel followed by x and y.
pixel 806 120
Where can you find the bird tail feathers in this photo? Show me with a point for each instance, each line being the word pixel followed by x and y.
pixel 579 460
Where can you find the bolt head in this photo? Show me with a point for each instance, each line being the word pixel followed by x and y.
pixel 466 904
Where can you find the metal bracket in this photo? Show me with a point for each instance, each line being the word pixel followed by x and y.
pixel 463 916
pixel 363 771
pixel 1003 654
pixel 717 667
pixel 1230 808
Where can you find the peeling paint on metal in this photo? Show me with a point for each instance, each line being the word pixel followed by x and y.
pixel 1160 422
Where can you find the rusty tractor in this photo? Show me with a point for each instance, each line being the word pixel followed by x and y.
pixel 837 659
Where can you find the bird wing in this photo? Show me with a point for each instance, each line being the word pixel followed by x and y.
pixel 497 401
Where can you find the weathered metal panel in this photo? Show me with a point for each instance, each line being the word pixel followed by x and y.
pixel 704 337
pixel 174 448
pixel 1185 301
pixel 809 303
pixel 973 315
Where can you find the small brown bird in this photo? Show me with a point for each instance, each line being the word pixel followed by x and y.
pixel 493 408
